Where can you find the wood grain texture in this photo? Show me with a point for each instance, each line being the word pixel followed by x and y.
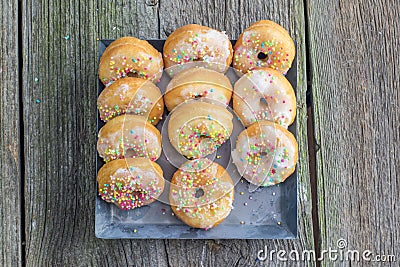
pixel 233 17
pixel 10 165
pixel 60 66
pixel 60 70
pixel 355 51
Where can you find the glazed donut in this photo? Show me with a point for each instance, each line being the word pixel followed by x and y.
pixel 196 43
pixel 130 183
pixel 129 56
pixel 196 129
pixel 264 94
pixel 265 153
pixel 131 96
pixel 200 196
pixel 129 136
pixel 264 44
pixel 198 83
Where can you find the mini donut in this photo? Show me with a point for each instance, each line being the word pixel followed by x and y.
pixel 196 43
pixel 129 136
pixel 131 96
pixel 196 129
pixel 200 196
pixel 264 44
pixel 129 56
pixel 264 94
pixel 265 153
pixel 130 183
pixel 198 83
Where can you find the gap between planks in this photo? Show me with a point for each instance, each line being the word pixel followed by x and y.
pixel 21 133
pixel 313 147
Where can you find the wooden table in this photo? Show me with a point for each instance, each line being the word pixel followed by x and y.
pixel 349 57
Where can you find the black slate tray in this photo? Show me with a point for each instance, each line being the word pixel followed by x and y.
pixel 267 213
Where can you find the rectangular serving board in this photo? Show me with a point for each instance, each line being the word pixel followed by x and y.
pixel 267 213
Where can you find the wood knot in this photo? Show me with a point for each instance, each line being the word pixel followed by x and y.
pixel 151 2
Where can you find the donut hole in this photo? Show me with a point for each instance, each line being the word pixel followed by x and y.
pixel 203 136
pixel 262 56
pixel 199 193
pixel 133 75
pixel 205 140
pixel 263 100
pixel 130 153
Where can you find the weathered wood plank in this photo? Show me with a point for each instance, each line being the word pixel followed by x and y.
pixel 60 50
pixel 233 17
pixel 355 52
pixel 10 168
pixel 60 90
